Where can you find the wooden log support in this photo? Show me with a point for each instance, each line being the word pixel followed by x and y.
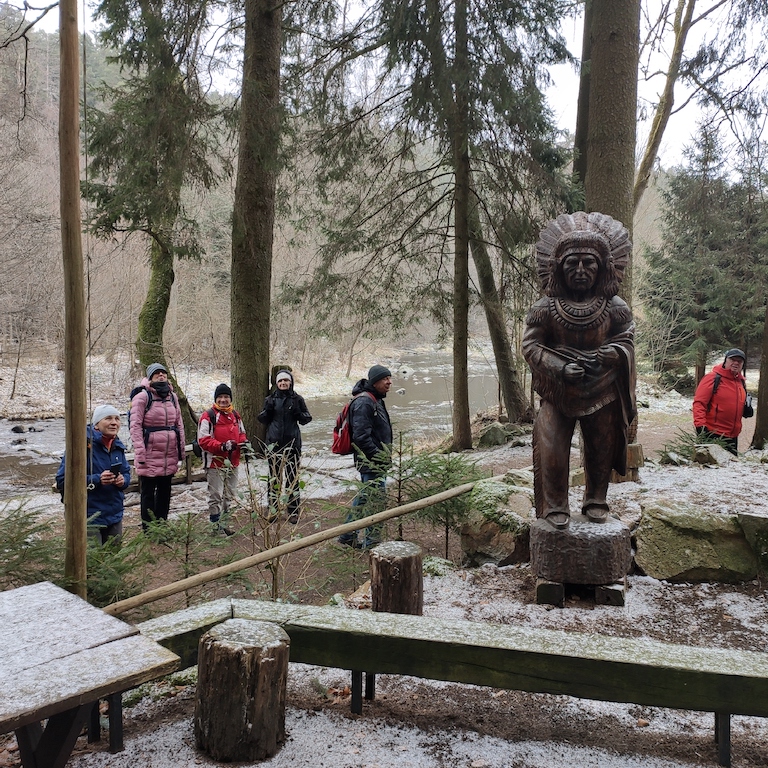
pixel 723 738
pixel 550 593
pixel 611 594
pixel 397 586
pixel 241 689
pixel 397 580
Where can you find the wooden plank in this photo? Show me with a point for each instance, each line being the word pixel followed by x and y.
pixel 42 691
pixel 636 670
pixel 46 622
pixel 180 632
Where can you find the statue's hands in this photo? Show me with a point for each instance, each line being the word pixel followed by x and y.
pixel 573 372
pixel 608 356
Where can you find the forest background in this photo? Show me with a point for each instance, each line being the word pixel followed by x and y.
pixel 385 119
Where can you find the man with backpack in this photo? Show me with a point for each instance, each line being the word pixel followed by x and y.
pixel 220 433
pixel 371 432
pixel 721 401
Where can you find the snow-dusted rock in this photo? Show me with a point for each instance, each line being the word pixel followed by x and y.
pixel 498 527
pixel 710 453
pixel 680 541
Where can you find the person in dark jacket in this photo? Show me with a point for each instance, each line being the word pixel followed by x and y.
pixel 718 405
pixel 372 445
pixel 105 488
pixel 284 410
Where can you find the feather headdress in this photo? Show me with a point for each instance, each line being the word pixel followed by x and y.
pixel 596 232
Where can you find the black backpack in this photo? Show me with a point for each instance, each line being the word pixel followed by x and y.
pixel 196 447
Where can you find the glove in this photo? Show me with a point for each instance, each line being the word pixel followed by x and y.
pixel 228 445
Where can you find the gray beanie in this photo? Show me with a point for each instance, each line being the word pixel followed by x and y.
pixel 102 411
pixel 377 373
pixel 154 368
pixel 283 375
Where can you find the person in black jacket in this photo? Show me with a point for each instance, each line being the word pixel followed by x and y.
pixel 284 410
pixel 372 444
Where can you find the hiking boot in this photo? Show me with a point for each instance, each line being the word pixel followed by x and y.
pixel 223 530
pixel 349 541
pixel 293 518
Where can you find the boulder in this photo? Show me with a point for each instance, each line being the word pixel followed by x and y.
pixel 681 542
pixel 497 530
pixel 755 529
pixel 710 453
pixel 492 436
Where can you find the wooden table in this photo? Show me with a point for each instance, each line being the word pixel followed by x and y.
pixel 58 657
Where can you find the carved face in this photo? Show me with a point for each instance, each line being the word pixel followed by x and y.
pixel 580 271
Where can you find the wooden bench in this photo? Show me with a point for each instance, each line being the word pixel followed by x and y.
pixel 58 657
pixel 631 670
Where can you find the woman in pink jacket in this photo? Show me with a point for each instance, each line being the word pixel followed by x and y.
pixel 157 434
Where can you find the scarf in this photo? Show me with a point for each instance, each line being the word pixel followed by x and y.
pixel 229 409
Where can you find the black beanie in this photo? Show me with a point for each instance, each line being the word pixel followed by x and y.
pixel 222 389
pixel 377 373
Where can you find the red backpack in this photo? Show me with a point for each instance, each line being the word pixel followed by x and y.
pixel 342 431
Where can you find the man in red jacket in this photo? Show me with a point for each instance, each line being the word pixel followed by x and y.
pixel 718 405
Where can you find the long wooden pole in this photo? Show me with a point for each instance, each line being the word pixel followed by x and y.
pixel 75 416
pixel 292 546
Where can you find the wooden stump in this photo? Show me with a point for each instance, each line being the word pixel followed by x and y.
pixel 241 685
pixel 583 553
pixel 397 581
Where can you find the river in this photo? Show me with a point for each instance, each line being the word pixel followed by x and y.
pixel 419 405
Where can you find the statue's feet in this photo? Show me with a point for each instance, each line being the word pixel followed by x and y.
pixel 558 520
pixel 596 511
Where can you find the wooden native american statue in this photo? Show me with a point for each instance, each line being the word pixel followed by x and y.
pixel 579 343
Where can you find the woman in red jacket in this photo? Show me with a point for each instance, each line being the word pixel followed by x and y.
pixel 220 433
pixel 718 405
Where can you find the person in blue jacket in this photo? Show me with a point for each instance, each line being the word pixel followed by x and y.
pixel 105 487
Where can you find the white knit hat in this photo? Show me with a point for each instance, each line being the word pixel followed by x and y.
pixel 102 411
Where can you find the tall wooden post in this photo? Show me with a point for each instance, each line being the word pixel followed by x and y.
pixel 75 416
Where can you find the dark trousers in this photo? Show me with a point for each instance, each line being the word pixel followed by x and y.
pixel 155 498
pixel 284 482
pixel 369 500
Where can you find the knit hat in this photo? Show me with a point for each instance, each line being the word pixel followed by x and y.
pixel 222 389
pixel 154 368
pixel 377 373
pixel 734 353
pixel 283 375
pixel 102 411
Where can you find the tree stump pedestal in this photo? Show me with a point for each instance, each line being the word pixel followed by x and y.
pixel 598 555
pixel 397 586
pixel 241 688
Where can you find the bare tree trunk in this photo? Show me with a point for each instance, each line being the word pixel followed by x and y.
pixel 75 416
pixel 761 413
pixel 254 209
pixel 612 135
pixel 682 25
pixel 149 342
pixel 462 432
pixel 511 389
pixel 582 108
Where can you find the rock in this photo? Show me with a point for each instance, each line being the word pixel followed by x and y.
pixel 582 553
pixel 19 429
pixel 710 453
pixel 670 457
pixel 755 529
pixel 492 436
pixel 681 542
pixel 19 441
pixel 577 477
pixel 520 478
pixel 497 528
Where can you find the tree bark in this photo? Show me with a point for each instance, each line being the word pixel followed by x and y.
pixel 462 432
pixel 761 414
pixel 254 209
pixel 75 413
pixel 149 341
pixel 611 138
pixel 511 389
pixel 582 107
pixel 397 581
pixel 241 689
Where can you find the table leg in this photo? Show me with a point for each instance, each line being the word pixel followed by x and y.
pixel 94 724
pixel 370 686
pixel 356 705
pixel 723 738
pixel 115 722
pixel 51 747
